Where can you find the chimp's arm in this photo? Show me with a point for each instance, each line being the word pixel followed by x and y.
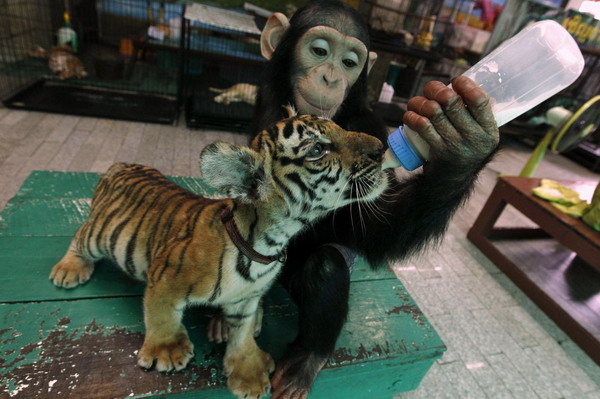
pixel 460 128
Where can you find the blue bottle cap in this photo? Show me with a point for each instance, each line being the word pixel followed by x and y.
pixel 408 158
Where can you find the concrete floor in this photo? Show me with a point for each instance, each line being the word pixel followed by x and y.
pixel 500 345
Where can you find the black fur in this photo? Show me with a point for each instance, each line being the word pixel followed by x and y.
pixel 416 211
pixel 319 282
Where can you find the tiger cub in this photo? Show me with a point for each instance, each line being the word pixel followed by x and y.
pixel 241 92
pixel 223 252
pixel 61 61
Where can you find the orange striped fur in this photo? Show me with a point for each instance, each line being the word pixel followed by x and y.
pixel 293 174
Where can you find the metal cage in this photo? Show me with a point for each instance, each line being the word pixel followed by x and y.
pixel 122 58
pixel 222 67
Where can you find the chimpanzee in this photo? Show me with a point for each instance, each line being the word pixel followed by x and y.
pixel 319 61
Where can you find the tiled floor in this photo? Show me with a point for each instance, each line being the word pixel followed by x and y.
pixel 500 345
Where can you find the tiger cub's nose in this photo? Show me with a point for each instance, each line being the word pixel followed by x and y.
pixel 376 155
pixel 373 148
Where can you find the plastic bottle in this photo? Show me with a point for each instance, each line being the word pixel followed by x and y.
pixel 525 70
pixel 66 34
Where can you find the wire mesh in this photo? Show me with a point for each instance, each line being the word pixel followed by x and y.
pixel 105 58
pixel 222 69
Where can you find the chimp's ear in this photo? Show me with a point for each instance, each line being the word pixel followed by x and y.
pixel 272 33
pixel 235 171
pixel 371 60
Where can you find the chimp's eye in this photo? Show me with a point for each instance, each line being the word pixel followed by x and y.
pixel 321 52
pixel 320 48
pixel 349 63
pixel 317 152
pixel 350 59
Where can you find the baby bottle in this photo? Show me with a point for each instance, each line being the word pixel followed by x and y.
pixel 525 70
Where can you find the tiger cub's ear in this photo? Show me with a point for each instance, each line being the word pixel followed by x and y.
pixel 235 171
pixel 290 111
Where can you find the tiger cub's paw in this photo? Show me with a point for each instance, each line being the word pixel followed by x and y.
pixel 248 373
pixel 218 328
pixel 71 271
pixel 173 354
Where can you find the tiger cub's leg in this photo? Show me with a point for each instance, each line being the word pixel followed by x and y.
pixel 246 366
pixel 218 328
pixel 166 339
pixel 77 266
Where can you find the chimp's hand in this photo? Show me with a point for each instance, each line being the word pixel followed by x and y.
pixel 457 123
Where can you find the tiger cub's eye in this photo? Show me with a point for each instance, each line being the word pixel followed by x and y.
pixel 318 151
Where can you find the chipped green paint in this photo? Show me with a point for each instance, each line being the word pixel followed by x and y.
pixel 74 355
pixel 82 342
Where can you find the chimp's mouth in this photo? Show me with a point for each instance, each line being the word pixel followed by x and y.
pixel 307 107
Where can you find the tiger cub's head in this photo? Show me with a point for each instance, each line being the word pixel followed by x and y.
pixel 310 163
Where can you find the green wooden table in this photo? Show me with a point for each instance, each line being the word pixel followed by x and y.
pixel 82 343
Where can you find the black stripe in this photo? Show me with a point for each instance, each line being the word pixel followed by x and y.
pixel 286 191
pixel 165 265
pixel 116 233
pixel 121 206
pixel 109 186
pixel 306 221
pixel 88 238
pixel 189 292
pixel 129 264
pixel 105 223
pixel 182 256
pixel 243 263
pixel 82 238
pixel 217 290
pixel 306 207
pixel 122 181
pixel 338 172
pixel 196 213
pixel 288 130
pixel 151 248
pixel 270 143
pixel 273 133
pixel 216 217
pixel 272 242
pixel 318 167
pixel 131 244
pixel 247 298
pixel 99 191
pixel 243 267
pixel 166 231
pixel 180 259
pixel 260 141
pixel 327 179
pixel 300 129
pixel 130 198
pixel 295 178
pixel 274 265
pixel 252 228
pixel 285 161
pixel 100 202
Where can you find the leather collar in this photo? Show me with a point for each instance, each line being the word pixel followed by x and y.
pixel 242 244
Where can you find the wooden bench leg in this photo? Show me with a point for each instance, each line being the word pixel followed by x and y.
pixel 489 214
pixel 480 234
